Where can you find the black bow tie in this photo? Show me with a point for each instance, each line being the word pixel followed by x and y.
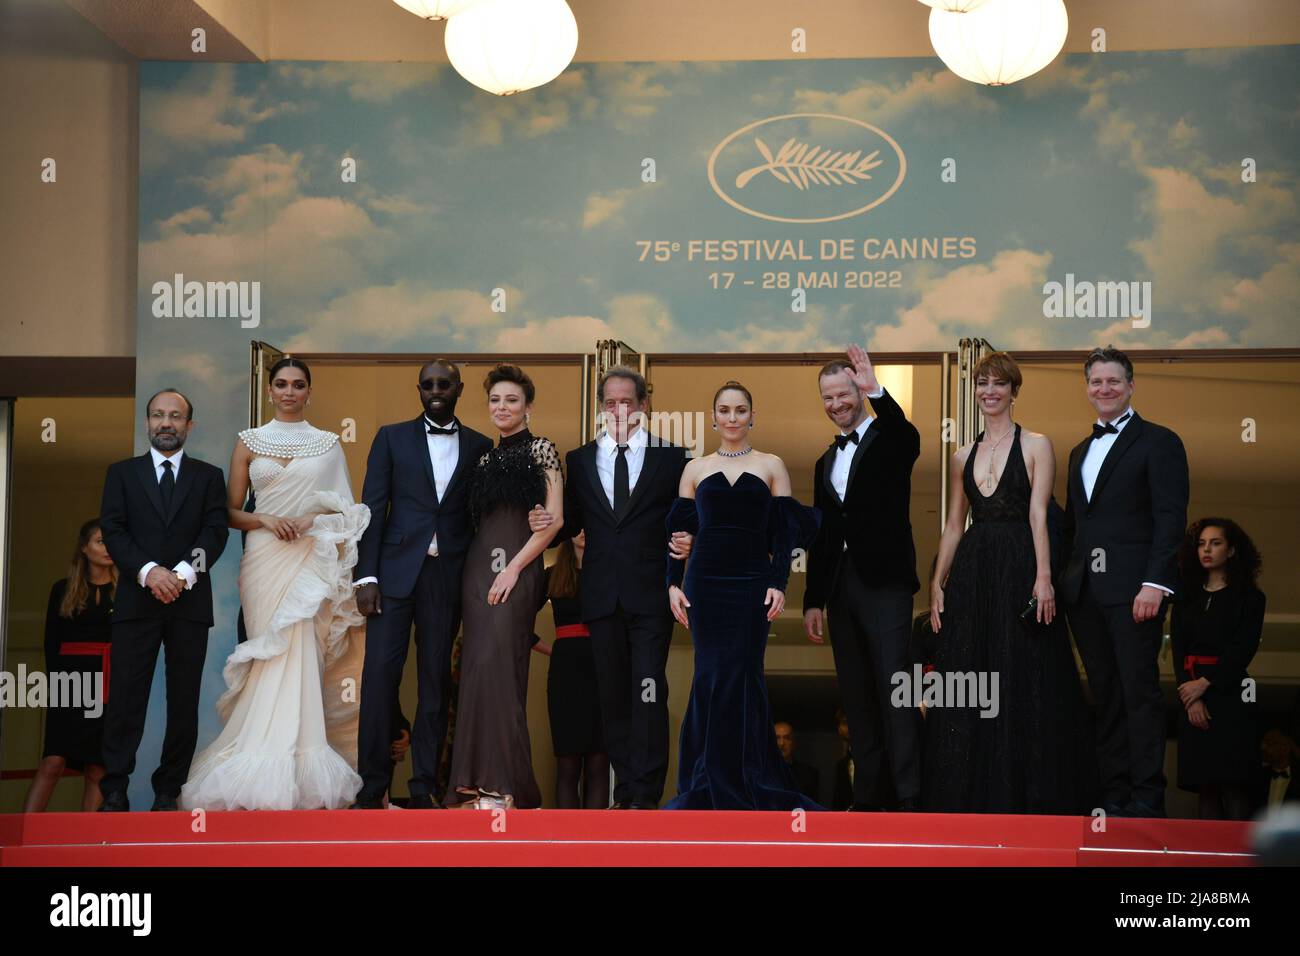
pixel 842 441
pixel 1110 429
pixel 449 430
pixel 1281 773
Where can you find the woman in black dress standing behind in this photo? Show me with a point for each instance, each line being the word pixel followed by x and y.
pixel 572 694
pixel 501 590
pixel 1215 629
pixel 77 636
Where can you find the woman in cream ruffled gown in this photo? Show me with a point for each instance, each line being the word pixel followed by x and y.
pixel 293 688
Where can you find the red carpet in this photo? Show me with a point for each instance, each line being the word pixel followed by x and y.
pixel 608 838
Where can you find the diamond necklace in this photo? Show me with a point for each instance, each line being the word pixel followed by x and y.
pixel 734 454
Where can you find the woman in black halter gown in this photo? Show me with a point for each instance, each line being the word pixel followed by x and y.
pixel 1030 756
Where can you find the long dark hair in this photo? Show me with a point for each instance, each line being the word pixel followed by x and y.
pixel 78 590
pixel 564 572
pixel 1243 567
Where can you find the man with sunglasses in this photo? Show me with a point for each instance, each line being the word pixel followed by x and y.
pixel 408 571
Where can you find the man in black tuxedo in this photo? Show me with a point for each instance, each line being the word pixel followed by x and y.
pixel 164 521
pixel 409 569
pixel 862 575
pixel 1278 779
pixel 1126 512
pixel 620 488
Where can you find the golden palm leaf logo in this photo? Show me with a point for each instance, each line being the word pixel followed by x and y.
pixel 799 165
pixel 859 165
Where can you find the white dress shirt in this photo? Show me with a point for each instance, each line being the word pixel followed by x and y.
pixel 444 454
pixel 843 462
pixel 1095 457
pixel 183 569
pixel 1097 451
pixel 607 455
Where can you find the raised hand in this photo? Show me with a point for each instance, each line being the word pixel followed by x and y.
pixel 862 373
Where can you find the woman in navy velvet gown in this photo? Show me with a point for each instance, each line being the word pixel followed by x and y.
pixel 737 504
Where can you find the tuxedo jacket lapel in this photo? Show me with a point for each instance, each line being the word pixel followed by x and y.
pixel 463 463
pixel 828 462
pixel 863 444
pixel 184 482
pixel 1076 472
pixel 589 452
pixel 1128 436
pixel 149 480
pixel 419 433
pixel 649 468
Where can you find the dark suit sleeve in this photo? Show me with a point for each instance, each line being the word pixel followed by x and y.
pixel 1067 546
pixel 814 595
pixel 573 518
pixel 212 537
pixel 1168 488
pixel 1240 646
pixel 376 490
pixel 891 417
pixel 126 554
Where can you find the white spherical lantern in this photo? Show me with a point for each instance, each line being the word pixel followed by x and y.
pixel 505 46
pixel 1000 41
pixel 953 6
pixel 436 9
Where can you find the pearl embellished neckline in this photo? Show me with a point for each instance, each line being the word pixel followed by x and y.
pixel 277 439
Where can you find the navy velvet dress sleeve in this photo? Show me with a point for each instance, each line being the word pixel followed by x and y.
pixel 790 525
pixel 682 516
